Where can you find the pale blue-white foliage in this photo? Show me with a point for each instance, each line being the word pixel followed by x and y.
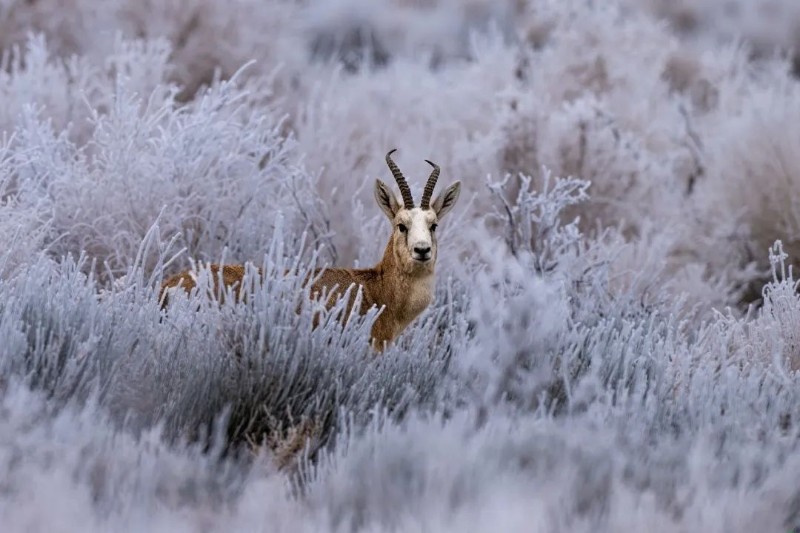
pixel 613 344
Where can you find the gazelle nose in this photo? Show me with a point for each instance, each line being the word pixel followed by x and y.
pixel 422 251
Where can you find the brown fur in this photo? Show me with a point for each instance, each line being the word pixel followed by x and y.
pixel 231 277
pixel 403 293
pixel 403 296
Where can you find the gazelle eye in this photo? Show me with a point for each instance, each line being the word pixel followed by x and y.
pixel 402 228
pixel 434 226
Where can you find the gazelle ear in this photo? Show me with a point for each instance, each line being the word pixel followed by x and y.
pixel 386 199
pixel 445 201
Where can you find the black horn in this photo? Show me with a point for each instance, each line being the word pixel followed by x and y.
pixel 405 190
pixel 426 194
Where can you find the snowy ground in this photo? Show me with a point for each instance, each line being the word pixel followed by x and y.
pixel 615 340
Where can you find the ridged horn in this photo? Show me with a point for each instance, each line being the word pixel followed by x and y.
pixel 426 194
pixel 405 190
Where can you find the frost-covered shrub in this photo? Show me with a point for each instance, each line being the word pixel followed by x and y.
pixel 768 338
pixel 750 187
pixel 260 360
pixel 647 133
pixel 208 38
pixel 541 475
pixel 73 26
pixel 595 115
pixel 358 33
pixel 212 40
pixel 766 26
pixel 587 364
pixel 563 323
pixel 547 311
pixel 66 92
pixel 582 139
pixel 75 464
pixel 206 166
pixel 22 230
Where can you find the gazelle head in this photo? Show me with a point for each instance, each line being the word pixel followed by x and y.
pixel 414 228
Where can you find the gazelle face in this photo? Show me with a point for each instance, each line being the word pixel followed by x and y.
pixel 414 238
pixel 414 230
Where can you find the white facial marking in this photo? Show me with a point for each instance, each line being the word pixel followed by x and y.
pixel 420 240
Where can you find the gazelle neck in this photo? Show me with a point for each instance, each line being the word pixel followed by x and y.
pixel 405 293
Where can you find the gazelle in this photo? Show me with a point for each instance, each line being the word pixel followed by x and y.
pixel 402 283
